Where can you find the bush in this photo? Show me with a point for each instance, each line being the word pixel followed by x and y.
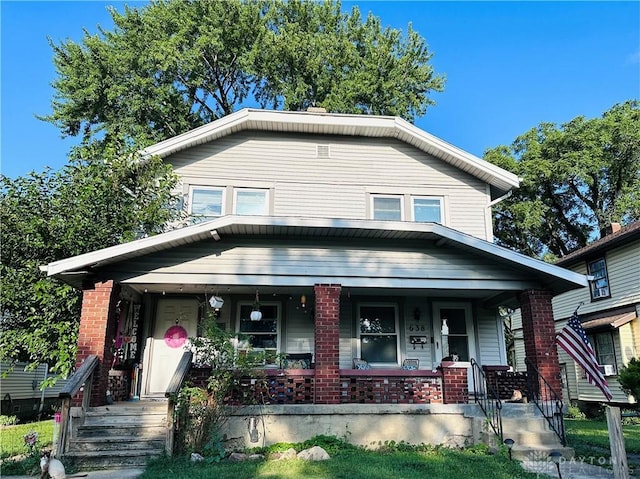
pixel 629 378
pixel 8 420
pixel 574 412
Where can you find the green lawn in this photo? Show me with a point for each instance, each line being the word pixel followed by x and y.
pixel 590 439
pixel 12 444
pixel 352 463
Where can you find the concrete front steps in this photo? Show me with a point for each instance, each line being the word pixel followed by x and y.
pixel 124 434
pixel 533 438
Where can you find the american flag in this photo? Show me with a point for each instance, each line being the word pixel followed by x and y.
pixel 574 341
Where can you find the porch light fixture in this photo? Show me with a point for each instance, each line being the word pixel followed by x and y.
pixel 256 314
pixel 509 443
pixel 216 302
pixel 303 301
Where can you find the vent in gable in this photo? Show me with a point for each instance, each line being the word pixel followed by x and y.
pixel 322 151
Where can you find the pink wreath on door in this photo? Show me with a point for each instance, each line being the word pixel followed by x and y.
pixel 175 336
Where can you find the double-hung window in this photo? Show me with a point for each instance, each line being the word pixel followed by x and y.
pixel 379 333
pixel 600 284
pixel 251 201
pixel 604 349
pixel 426 209
pixel 387 207
pixel 206 201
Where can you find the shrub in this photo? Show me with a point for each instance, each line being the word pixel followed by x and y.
pixel 574 412
pixel 629 378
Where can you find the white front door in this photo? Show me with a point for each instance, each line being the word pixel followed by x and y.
pixel 461 339
pixel 176 321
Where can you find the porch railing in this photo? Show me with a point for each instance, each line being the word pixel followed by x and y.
pixel 487 398
pixel 83 376
pixel 171 392
pixel 547 399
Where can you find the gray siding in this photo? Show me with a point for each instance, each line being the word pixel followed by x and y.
pixel 24 384
pixel 490 338
pixel 338 186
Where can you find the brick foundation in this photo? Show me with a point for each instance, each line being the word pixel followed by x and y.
pixel 327 339
pixel 97 332
pixel 540 338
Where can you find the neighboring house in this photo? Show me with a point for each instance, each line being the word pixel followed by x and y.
pixel 608 309
pixel 20 388
pixel 359 235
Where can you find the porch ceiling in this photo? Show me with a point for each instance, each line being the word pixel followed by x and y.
pixel 526 272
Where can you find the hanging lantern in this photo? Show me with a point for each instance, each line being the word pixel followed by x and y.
pixel 256 314
pixel 303 301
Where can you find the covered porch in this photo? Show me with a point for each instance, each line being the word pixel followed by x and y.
pixel 380 291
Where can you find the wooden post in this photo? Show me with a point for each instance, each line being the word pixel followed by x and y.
pixel 618 452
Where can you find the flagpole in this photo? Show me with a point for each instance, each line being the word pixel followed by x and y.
pixel 546 353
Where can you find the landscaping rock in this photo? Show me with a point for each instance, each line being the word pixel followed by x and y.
pixel 316 453
pixel 255 457
pixel 288 454
pixel 238 457
pixel 195 457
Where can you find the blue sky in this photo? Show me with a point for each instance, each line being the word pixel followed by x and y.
pixel 509 66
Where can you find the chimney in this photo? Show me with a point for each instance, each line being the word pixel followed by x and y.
pixel 612 228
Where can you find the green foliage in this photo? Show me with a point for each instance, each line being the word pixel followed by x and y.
pixel 49 216
pixel 8 420
pixel 17 456
pixel 574 412
pixel 629 378
pixel 577 178
pixel 201 411
pixel 170 66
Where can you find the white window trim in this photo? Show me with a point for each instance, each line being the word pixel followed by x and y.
pixel 278 319
pixel 423 197
pixel 244 190
pixel 396 334
pixel 400 198
pixel 592 284
pixel 192 188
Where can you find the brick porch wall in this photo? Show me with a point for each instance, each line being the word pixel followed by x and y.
pixel 327 338
pixel 97 332
pixel 540 337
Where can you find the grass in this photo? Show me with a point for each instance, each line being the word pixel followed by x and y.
pixel 12 446
pixel 355 463
pixel 590 439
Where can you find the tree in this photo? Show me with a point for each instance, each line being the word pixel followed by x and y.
pixel 53 215
pixel 577 178
pixel 174 65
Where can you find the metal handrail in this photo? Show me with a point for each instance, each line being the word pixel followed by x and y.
pixel 487 398
pixel 548 401
pixel 82 376
pixel 171 392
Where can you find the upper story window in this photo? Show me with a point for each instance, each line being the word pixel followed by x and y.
pixel 206 201
pixel 251 201
pixel 600 283
pixel 426 209
pixel 386 207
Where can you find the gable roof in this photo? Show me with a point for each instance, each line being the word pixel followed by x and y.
pixel 322 123
pixel 555 278
pixel 623 236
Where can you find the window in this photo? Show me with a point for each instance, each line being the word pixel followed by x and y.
pixel 260 337
pixel 206 201
pixel 600 283
pixel 602 344
pixel 387 208
pixel 251 202
pixel 458 336
pixel 378 334
pixel 427 209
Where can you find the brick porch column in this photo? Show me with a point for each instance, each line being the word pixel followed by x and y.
pixel 97 332
pixel 327 338
pixel 539 333
pixel 455 384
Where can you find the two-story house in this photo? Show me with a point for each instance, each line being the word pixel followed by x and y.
pixel 360 237
pixel 608 309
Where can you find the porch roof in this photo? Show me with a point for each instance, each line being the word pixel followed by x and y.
pixel 74 269
pixel 322 123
